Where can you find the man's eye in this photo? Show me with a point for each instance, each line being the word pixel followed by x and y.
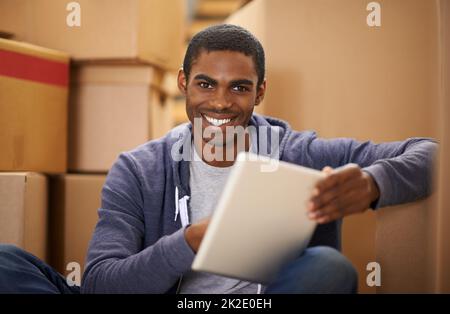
pixel 240 88
pixel 204 85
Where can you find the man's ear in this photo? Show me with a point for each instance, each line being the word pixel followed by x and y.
pixel 181 80
pixel 260 93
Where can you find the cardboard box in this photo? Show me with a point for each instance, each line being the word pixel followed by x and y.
pixel 140 30
pixel 412 240
pixel 443 214
pixel 74 201
pixel 114 108
pixel 23 211
pixel 333 73
pixel 33 108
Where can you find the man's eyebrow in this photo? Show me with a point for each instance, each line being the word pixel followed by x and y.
pixel 212 81
pixel 241 82
pixel 205 78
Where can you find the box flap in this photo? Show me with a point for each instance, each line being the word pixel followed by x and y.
pixel 33 50
pixel 116 74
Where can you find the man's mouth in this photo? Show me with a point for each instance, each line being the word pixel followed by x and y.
pixel 217 122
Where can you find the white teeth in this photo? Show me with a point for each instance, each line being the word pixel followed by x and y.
pixel 217 122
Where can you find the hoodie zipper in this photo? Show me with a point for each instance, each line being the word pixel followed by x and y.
pixel 179 285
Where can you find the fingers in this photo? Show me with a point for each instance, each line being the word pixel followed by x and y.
pixel 337 176
pixel 327 196
pixel 337 214
pixel 341 192
pixel 336 183
pixel 341 206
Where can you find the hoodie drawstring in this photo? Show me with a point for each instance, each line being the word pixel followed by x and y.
pixel 181 208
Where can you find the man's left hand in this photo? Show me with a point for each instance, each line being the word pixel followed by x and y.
pixel 344 191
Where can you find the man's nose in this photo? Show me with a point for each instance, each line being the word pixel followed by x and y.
pixel 222 101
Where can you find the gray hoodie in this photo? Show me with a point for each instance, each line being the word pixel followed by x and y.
pixel 139 247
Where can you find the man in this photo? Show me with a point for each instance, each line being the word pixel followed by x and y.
pixel 144 243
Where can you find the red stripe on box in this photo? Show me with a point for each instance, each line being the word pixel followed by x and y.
pixel 26 67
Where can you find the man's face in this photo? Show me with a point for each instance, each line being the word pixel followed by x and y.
pixel 222 89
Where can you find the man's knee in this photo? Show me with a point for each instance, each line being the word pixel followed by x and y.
pixel 318 270
pixel 342 273
pixel 22 272
pixel 9 250
pixel 12 257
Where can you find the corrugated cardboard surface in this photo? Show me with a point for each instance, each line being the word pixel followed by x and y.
pixel 74 201
pixel 328 71
pixel 443 217
pixel 23 211
pixel 113 108
pixel 147 30
pixel 33 115
pixel 405 247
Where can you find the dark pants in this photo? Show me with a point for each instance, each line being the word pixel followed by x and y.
pixel 22 272
pixel 317 270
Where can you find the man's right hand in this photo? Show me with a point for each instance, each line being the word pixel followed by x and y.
pixel 195 232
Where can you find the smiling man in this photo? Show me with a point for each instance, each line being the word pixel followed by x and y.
pixel 158 198
pixel 221 88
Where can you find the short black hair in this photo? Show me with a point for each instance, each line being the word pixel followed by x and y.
pixel 226 37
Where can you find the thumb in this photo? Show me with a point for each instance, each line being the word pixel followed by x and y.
pixel 327 170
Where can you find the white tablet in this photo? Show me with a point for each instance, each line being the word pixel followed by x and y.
pixel 260 221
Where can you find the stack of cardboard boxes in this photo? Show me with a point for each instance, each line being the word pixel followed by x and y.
pixel 33 138
pixel 121 51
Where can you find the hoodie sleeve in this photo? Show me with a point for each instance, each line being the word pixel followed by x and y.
pixel 117 262
pixel 402 170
